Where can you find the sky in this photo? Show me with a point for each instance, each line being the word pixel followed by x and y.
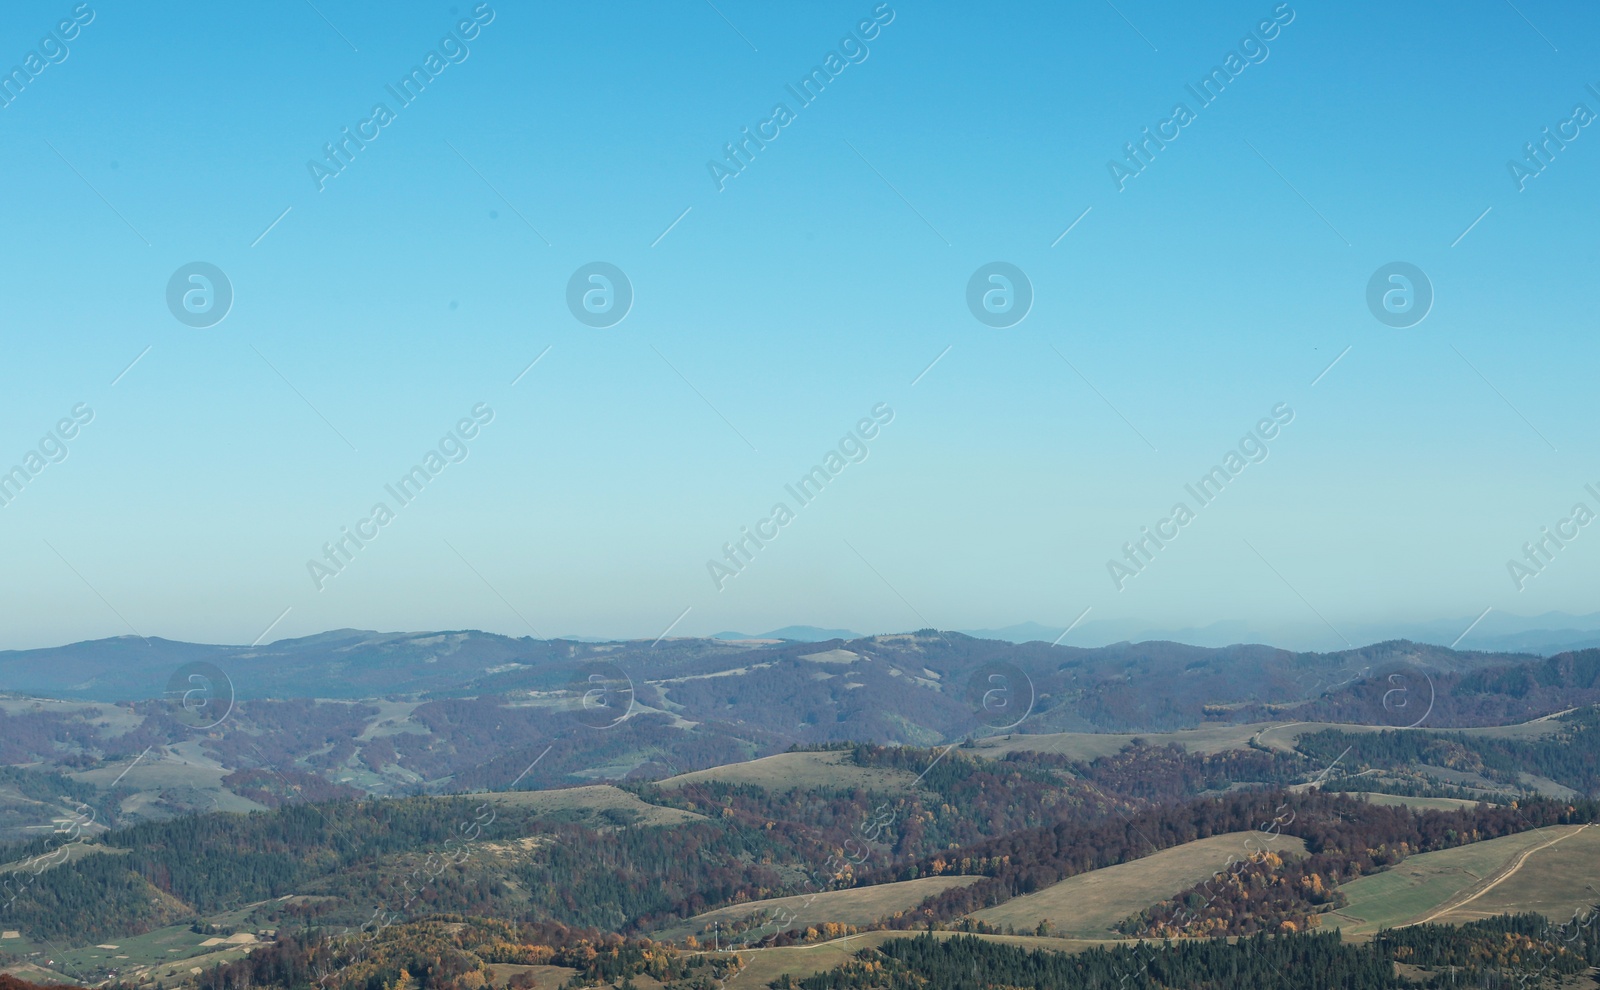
pixel 351 313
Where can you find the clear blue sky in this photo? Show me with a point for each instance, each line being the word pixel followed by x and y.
pixel 779 311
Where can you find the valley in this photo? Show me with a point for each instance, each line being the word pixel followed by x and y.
pixel 717 844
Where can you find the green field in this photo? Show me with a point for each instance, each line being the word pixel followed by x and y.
pixel 158 954
pixel 36 974
pixel 1422 884
pixel 1556 881
pixel 182 770
pixel 1375 797
pixel 1089 904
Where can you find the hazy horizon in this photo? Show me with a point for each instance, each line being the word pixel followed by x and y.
pixel 1207 302
pixel 1493 632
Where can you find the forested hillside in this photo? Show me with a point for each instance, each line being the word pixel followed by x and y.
pixel 581 879
pixel 1571 757
pixel 1498 953
pixel 401 714
pixel 1021 823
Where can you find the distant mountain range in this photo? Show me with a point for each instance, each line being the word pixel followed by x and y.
pixel 1123 686
pixel 429 711
pixel 797 634
pixel 1496 632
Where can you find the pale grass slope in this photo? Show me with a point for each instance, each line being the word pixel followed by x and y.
pixel 1220 738
pixel 786 771
pixel 856 906
pixel 1089 904
pixel 1557 880
pixel 588 802
pixel 1511 873
pixel 762 966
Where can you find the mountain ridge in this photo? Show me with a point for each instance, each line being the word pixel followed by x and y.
pixel 356 663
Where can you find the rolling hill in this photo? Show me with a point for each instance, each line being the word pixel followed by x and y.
pixel 1090 904
pixel 1441 884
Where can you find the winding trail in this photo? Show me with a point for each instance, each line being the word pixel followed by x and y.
pixel 1505 874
